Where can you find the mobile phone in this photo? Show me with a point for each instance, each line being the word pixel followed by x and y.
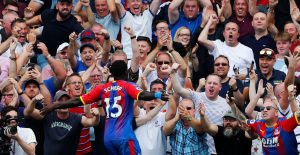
pixel 30 66
pixel 252 65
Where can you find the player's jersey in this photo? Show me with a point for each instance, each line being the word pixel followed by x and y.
pixel 278 139
pixel 117 98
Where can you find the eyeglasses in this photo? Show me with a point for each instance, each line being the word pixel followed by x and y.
pixel 8 95
pixel 221 64
pixel 184 35
pixel 95 76
pixel 74 83
pixel 267 107
pixel 34 27
pixel 188 108
pixel 163 62
pixel 266 51
pixel 162 28
pixel 12 10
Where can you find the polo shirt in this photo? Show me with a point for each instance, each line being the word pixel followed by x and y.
pixel 266 41
pixel 225 87
pixel 245 25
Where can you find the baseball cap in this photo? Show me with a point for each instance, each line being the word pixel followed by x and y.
pixel 87 34
pixel 229 113
pixel 31 81
pixel 59 94
pixel 87 45
pixel 267 52
pixel 69 1
pixel 61 47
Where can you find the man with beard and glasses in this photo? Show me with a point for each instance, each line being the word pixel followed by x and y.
pixel 229 136
pixel 117 98
pixel 58 24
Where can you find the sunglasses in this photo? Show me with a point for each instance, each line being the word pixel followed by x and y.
pixel 267 107
pixel 34 27
pixel 163 62
pixel 8 95
pixel 188 108
pixel 221 64
pixel 268 52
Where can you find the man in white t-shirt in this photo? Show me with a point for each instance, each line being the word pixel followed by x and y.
pixel 239 55
pixel 24 141
pixel 216 106
pixel 141 22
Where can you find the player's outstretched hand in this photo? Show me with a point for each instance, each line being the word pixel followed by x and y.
pixel 47 109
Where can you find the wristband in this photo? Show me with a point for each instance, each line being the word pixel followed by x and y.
pixel 20 93
pixel 157 95
pixel 132 37
pixel 13 59
pixel 170 51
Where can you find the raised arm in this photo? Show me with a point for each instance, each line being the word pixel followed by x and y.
pixel 183 92
pixel 202 39
pixel 120 8
pixel 192 121
pixel 89 122
pixel 72 49
pixel 25 56
pixel 289 79
pixel 43 89
pixel 211 129
pixel 292 98
pixel 30 109
pixel 36 20
pixel 154 6
pixel 253 101
pixel 237 94
pixel 252 7
pixel 178 59
pixel 13 58
pixel 113 10
pixel 169 126
pixel 56 65
pixel 271 17
pixel 90 15
pixel 106 45
pixel 135 53
pixel 173 11
pixel 171 111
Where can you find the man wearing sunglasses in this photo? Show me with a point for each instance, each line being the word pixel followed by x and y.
pixel 276 134
pixel 185 131
pixel 221 68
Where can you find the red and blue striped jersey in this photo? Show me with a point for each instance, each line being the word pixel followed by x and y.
pixel 117 98
pixel 278 139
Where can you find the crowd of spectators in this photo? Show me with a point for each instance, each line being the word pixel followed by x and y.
pixel 151 77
